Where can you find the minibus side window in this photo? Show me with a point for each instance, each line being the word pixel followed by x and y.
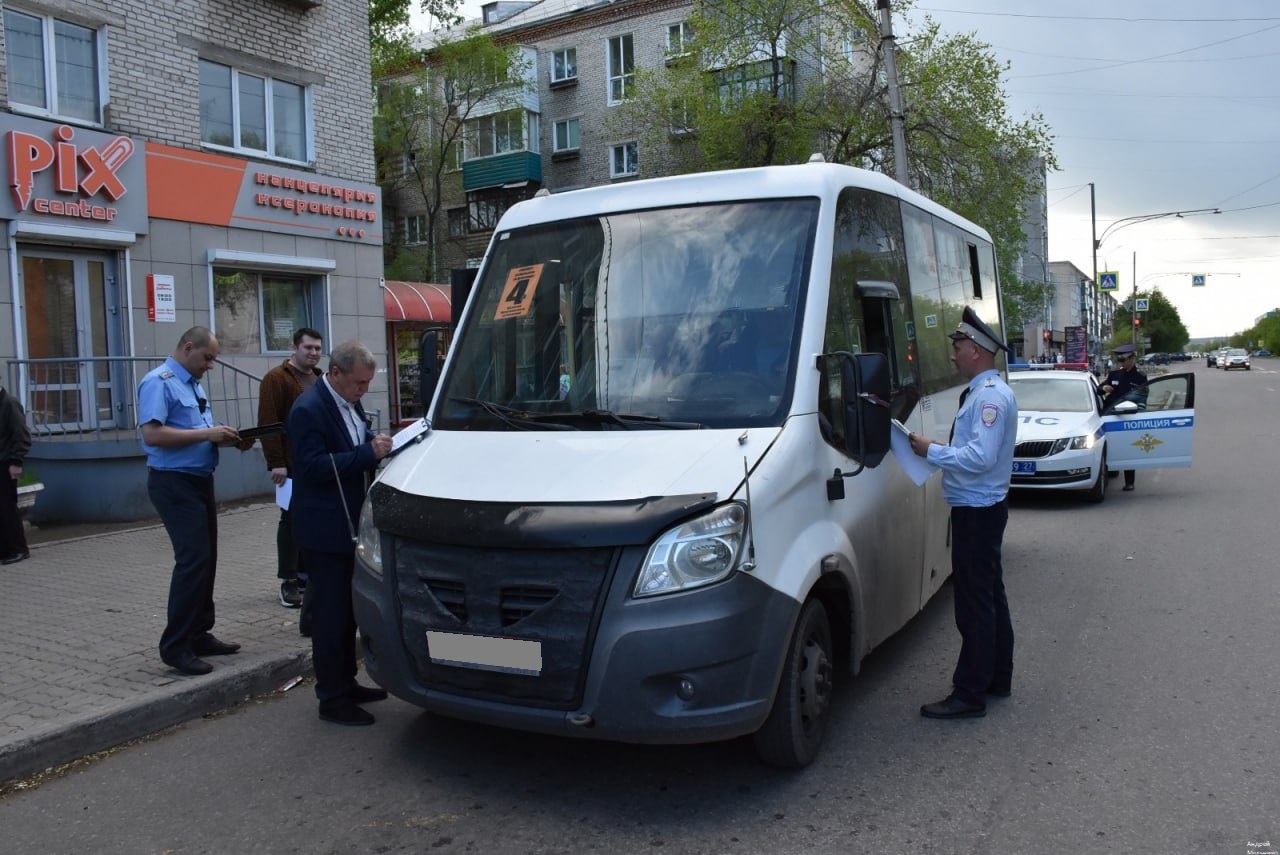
pixel 868 247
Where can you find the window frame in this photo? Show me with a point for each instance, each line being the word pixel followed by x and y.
pixel 414 229
pixel 624 79
pixel 576 124
pixel 49 61
pixel 556 56
pixel 272 134
pixel 312 312
pixel 684 32
pixel 632 147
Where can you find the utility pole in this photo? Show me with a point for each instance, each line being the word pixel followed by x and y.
pixel 896 121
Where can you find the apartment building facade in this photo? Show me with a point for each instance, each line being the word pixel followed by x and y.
pixel 193 162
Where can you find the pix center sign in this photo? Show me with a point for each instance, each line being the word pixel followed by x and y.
pixel 72 176
pixel 202 187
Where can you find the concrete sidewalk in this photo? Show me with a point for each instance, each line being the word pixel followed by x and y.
pixel 80 622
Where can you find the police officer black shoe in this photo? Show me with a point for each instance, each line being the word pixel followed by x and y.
pixel 953 707
pixel 1127 488
pixel 366 694
pixel 343 711
pixel 208 645
pixel 16 557
pixel 189 664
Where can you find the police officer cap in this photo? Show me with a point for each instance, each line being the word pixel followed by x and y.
pixel 1123 350
pixel 972 327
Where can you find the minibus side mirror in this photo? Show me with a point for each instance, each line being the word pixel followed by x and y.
pixel 865 393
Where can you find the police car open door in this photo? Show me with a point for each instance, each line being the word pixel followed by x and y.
pixel 1151 427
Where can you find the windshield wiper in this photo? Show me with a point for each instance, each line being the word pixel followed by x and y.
pixel 518 419
pixel 629 421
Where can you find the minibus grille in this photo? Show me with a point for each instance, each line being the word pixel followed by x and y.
pixel 549 596
pixel 1037 448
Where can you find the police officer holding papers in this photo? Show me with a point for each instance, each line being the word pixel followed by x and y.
pixel 1120 382
pixel 976 465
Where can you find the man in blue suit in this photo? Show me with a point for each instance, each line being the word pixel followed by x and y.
pixel 334 456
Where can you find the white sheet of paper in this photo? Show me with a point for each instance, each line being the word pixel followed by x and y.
pixel 409 433
pixel 917 468
pixel 284 493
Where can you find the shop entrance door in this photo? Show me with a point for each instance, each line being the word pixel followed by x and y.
pixel 71 310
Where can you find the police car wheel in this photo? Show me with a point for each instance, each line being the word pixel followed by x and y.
pixel 1098 491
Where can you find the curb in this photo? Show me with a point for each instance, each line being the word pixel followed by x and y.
pixel 80 736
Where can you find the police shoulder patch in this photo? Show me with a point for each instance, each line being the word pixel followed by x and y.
pixel 990 414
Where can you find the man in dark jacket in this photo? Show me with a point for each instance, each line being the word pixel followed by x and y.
pixel 280 387
pixel 334 455
pixel 15 442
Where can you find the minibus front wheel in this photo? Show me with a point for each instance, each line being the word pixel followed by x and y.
pixel 793 732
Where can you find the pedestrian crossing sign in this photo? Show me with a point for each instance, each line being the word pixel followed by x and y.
pixel 1197 280
pixel 1109 281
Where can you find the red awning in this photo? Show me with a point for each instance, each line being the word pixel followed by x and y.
pixel 416 301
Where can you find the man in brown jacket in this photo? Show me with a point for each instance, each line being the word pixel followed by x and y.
pixel 280 388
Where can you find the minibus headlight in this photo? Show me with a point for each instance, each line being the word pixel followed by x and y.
pixel 695 553
pixel 369 541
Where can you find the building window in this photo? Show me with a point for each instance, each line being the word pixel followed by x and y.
pixel 486 207
pixel 564 65
pixel 415 229
pixel 679 39
pixel 500 133
pixel 257 312
pixel 622 160
pixel 254 114
pixel 681 117
pixel 622 69
pixel 457 222
pixel 55 68
pixel 566 135
pixel 735 85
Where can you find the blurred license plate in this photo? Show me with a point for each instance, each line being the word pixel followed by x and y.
pixel 1024 467
pixel 486 652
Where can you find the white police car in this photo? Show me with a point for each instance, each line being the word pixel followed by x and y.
pixel 1068 441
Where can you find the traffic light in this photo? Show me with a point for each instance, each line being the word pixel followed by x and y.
pixel 1137 321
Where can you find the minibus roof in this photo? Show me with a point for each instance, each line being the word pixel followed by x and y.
pixel 816 179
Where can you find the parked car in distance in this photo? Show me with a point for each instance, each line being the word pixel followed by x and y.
pixel 1237 357
pixel 1262 351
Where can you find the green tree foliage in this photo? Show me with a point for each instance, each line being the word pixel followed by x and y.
pixel 422 117
pixel 1265 333
pixel 391 39
pixel 1161 323
pixel 748 91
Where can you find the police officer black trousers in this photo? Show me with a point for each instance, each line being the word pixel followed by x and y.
pixel 981 608
pixel 189 512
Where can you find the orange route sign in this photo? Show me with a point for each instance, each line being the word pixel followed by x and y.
pixel 517 294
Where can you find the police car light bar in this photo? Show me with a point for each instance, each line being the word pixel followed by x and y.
pixel 1052 366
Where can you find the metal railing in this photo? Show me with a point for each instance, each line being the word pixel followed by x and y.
pixel 96 398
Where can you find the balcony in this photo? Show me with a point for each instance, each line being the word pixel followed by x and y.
pixel 513 168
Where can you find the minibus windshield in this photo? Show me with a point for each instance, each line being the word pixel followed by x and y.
pixel 672 318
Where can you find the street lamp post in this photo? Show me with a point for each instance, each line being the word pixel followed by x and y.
pixel 1123 223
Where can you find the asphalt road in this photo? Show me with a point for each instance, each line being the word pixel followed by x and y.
pixel 1144 719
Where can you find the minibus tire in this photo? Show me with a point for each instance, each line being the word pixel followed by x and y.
pixel 793 732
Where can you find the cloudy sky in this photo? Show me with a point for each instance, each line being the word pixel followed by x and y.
pixel 1164 105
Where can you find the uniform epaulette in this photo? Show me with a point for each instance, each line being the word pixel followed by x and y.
pixel 166 374
pixel 991 381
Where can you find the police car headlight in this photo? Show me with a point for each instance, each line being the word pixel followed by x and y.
pixel 369 540
pixel 695 553
pixel 1074 443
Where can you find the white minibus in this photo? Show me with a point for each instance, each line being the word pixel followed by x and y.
pixel 655 502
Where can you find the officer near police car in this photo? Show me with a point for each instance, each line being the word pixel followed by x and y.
pixel 1120 383
pixel 976 464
